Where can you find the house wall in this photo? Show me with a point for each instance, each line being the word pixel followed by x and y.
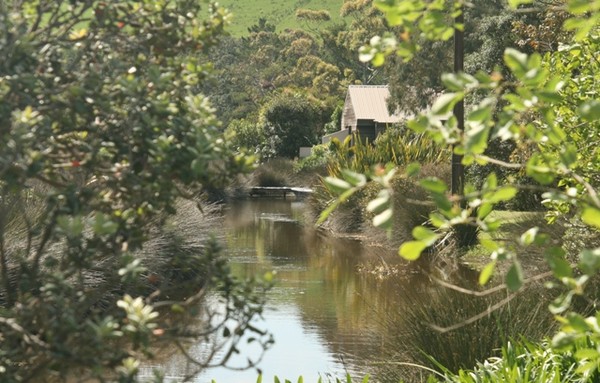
pixel 380 128
pixel 340 135
pixel 370 107
pixel 305 151
pixel 348 116
pixel 366 130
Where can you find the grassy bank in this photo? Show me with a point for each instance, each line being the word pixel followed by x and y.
pixel 281 13
pixel 180 251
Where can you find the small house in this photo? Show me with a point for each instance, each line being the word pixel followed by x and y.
pixel 365 113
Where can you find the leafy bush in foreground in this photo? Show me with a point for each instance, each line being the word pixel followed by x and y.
pixel 102 135
pixel 546 101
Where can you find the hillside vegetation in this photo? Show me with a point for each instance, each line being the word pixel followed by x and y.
pixel 280 13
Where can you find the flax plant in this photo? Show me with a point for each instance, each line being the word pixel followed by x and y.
pixel 395 146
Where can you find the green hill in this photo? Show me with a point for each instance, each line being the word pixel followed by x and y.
pixel 281 13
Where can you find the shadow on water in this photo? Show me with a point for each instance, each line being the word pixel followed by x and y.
pixel 329 319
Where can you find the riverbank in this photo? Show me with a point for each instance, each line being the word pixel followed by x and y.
pixel 411 209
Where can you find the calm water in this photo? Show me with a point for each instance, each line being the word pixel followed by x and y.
pixel 327 318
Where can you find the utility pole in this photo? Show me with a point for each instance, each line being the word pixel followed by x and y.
pixel 457 185
pixel 465 234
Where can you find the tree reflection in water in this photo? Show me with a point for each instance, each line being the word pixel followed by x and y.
pixel 329 319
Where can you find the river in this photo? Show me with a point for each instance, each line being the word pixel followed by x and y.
pixel 330 316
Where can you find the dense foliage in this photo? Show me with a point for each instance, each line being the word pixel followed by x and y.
pixel 103 132
pixel 546 104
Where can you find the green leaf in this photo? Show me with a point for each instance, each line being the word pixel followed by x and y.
pixel 491 182
pixel 489 244
pixel 476 137
pixel 578 7
pixel 481 114
pixel 356 179
pixel 539 171
pixel 582 25
pixel 413 169
pixel 452 82
pixel 528 237
pixel 587 353
pixel 561 268
pixel 378 59
pixel 561 303
pixel 516 61
pixel 516 3
pixel 549 96
pixel 438 220
pixel 563 340
pixel 459 82
pixel 334 205
pixel 424 234
pixel 383 220
pixel 591 216
pixel 300 379
pixel 577 322
pixel 505 193
pixel 445 103
pixel 434 185
pixel 590 110
pixel 568 155
pixel 535 77
pixel 419 124
pixel 379 204
pixel 587 367
pixel 72 226
pixel 412 250
pixel 484 210
pixel 487 272
pixel 589 261
pixel 336 185
pixel 103 225
pixel 514 277
pixel 443 203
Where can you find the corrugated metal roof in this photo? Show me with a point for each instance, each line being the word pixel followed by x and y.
pixel 370 103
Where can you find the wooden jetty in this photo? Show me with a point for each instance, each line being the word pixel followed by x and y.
pixel 279 191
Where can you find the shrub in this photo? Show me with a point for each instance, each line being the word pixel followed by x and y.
pixel 277 172
pixel 102 135
pixel 318 159
pixel 523 361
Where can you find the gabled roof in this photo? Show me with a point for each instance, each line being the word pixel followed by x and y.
pixel 370 103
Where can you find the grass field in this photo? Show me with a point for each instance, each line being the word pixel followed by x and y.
pixel 281 13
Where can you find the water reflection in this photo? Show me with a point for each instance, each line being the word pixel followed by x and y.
pixel 317 312
pixel 329 320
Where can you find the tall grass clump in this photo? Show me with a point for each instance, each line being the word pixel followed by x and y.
pixel 397 146
pixel 182 250
pixel 410 204
pixel 274 173
pixel 427 336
